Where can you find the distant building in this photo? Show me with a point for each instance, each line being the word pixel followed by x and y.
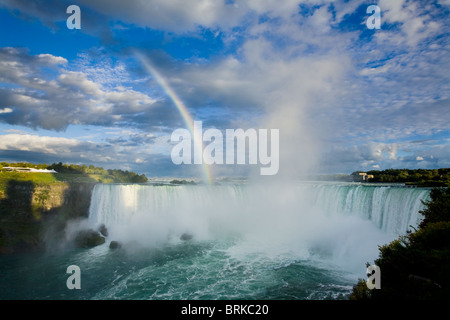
pixel 23 169
pixel 362 177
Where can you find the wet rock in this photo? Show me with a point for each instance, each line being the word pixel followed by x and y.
pixel 186 237
pixel 115 245
pixel 103 230
pixel 88 239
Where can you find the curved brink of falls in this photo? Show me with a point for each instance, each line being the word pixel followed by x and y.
pixel 338 215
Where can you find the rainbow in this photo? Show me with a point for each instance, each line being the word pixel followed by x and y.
pixel 198 141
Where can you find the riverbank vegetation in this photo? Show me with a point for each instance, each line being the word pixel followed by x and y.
pixel 416 265
pixel 66 173
pixel 419 177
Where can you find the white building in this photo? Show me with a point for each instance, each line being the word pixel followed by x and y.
pixel 22 169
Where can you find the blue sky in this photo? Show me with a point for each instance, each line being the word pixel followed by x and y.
pixel 344 97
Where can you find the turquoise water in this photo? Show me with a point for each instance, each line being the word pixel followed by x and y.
pixel 309 241
pixel 195 270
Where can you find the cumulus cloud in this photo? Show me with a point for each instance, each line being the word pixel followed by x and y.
pixel 6 110
pixel 37 98
pixel 34 143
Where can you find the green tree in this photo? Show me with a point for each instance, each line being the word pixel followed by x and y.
pixel 403 175
pixel 416 265
pixel 437 208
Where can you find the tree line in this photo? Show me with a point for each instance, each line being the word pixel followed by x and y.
pixel 422 177
pixel 115 175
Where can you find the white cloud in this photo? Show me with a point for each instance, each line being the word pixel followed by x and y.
pixel 51 59
pixel 284 9
pixel 416 24
pixel 41 99
pixel 79 81
pixel 321 19
pixel 35 143
pixel 6 110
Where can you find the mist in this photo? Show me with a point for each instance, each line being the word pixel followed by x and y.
pixel 278 221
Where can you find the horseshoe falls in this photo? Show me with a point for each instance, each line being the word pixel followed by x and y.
pixel 304 240
pixel 155 213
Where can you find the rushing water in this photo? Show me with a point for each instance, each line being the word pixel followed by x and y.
pixel 288 241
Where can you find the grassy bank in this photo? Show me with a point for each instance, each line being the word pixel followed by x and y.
pixel 37 178
pixel 46 179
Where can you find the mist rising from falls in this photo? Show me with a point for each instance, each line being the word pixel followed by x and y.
pixel 342 223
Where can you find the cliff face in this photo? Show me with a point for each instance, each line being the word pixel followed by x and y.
pixel 33 216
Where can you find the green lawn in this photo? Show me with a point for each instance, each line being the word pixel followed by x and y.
pixel 39 179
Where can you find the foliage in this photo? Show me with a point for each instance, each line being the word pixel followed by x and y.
pixel 416 265
pixel 421 177
pixel 183 182
pixel 23 165
pixel 35 178
pixel 360 291
pixel 67 173
pixel 438 208
pixel 98 173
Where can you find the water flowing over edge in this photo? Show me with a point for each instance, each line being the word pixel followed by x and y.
pixel 390 208
pixel 339 223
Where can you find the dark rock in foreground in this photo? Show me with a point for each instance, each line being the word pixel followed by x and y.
pixel 186 237
pixel 115 245
pixel 88 239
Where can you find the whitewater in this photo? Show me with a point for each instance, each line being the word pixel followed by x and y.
pixel 302 240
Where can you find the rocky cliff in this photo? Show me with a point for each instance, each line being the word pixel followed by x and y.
pixel 34 216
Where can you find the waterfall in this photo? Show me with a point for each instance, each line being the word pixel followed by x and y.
pixel 391 208
pixel 338 223
pixel 154 213
pixel 160 211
